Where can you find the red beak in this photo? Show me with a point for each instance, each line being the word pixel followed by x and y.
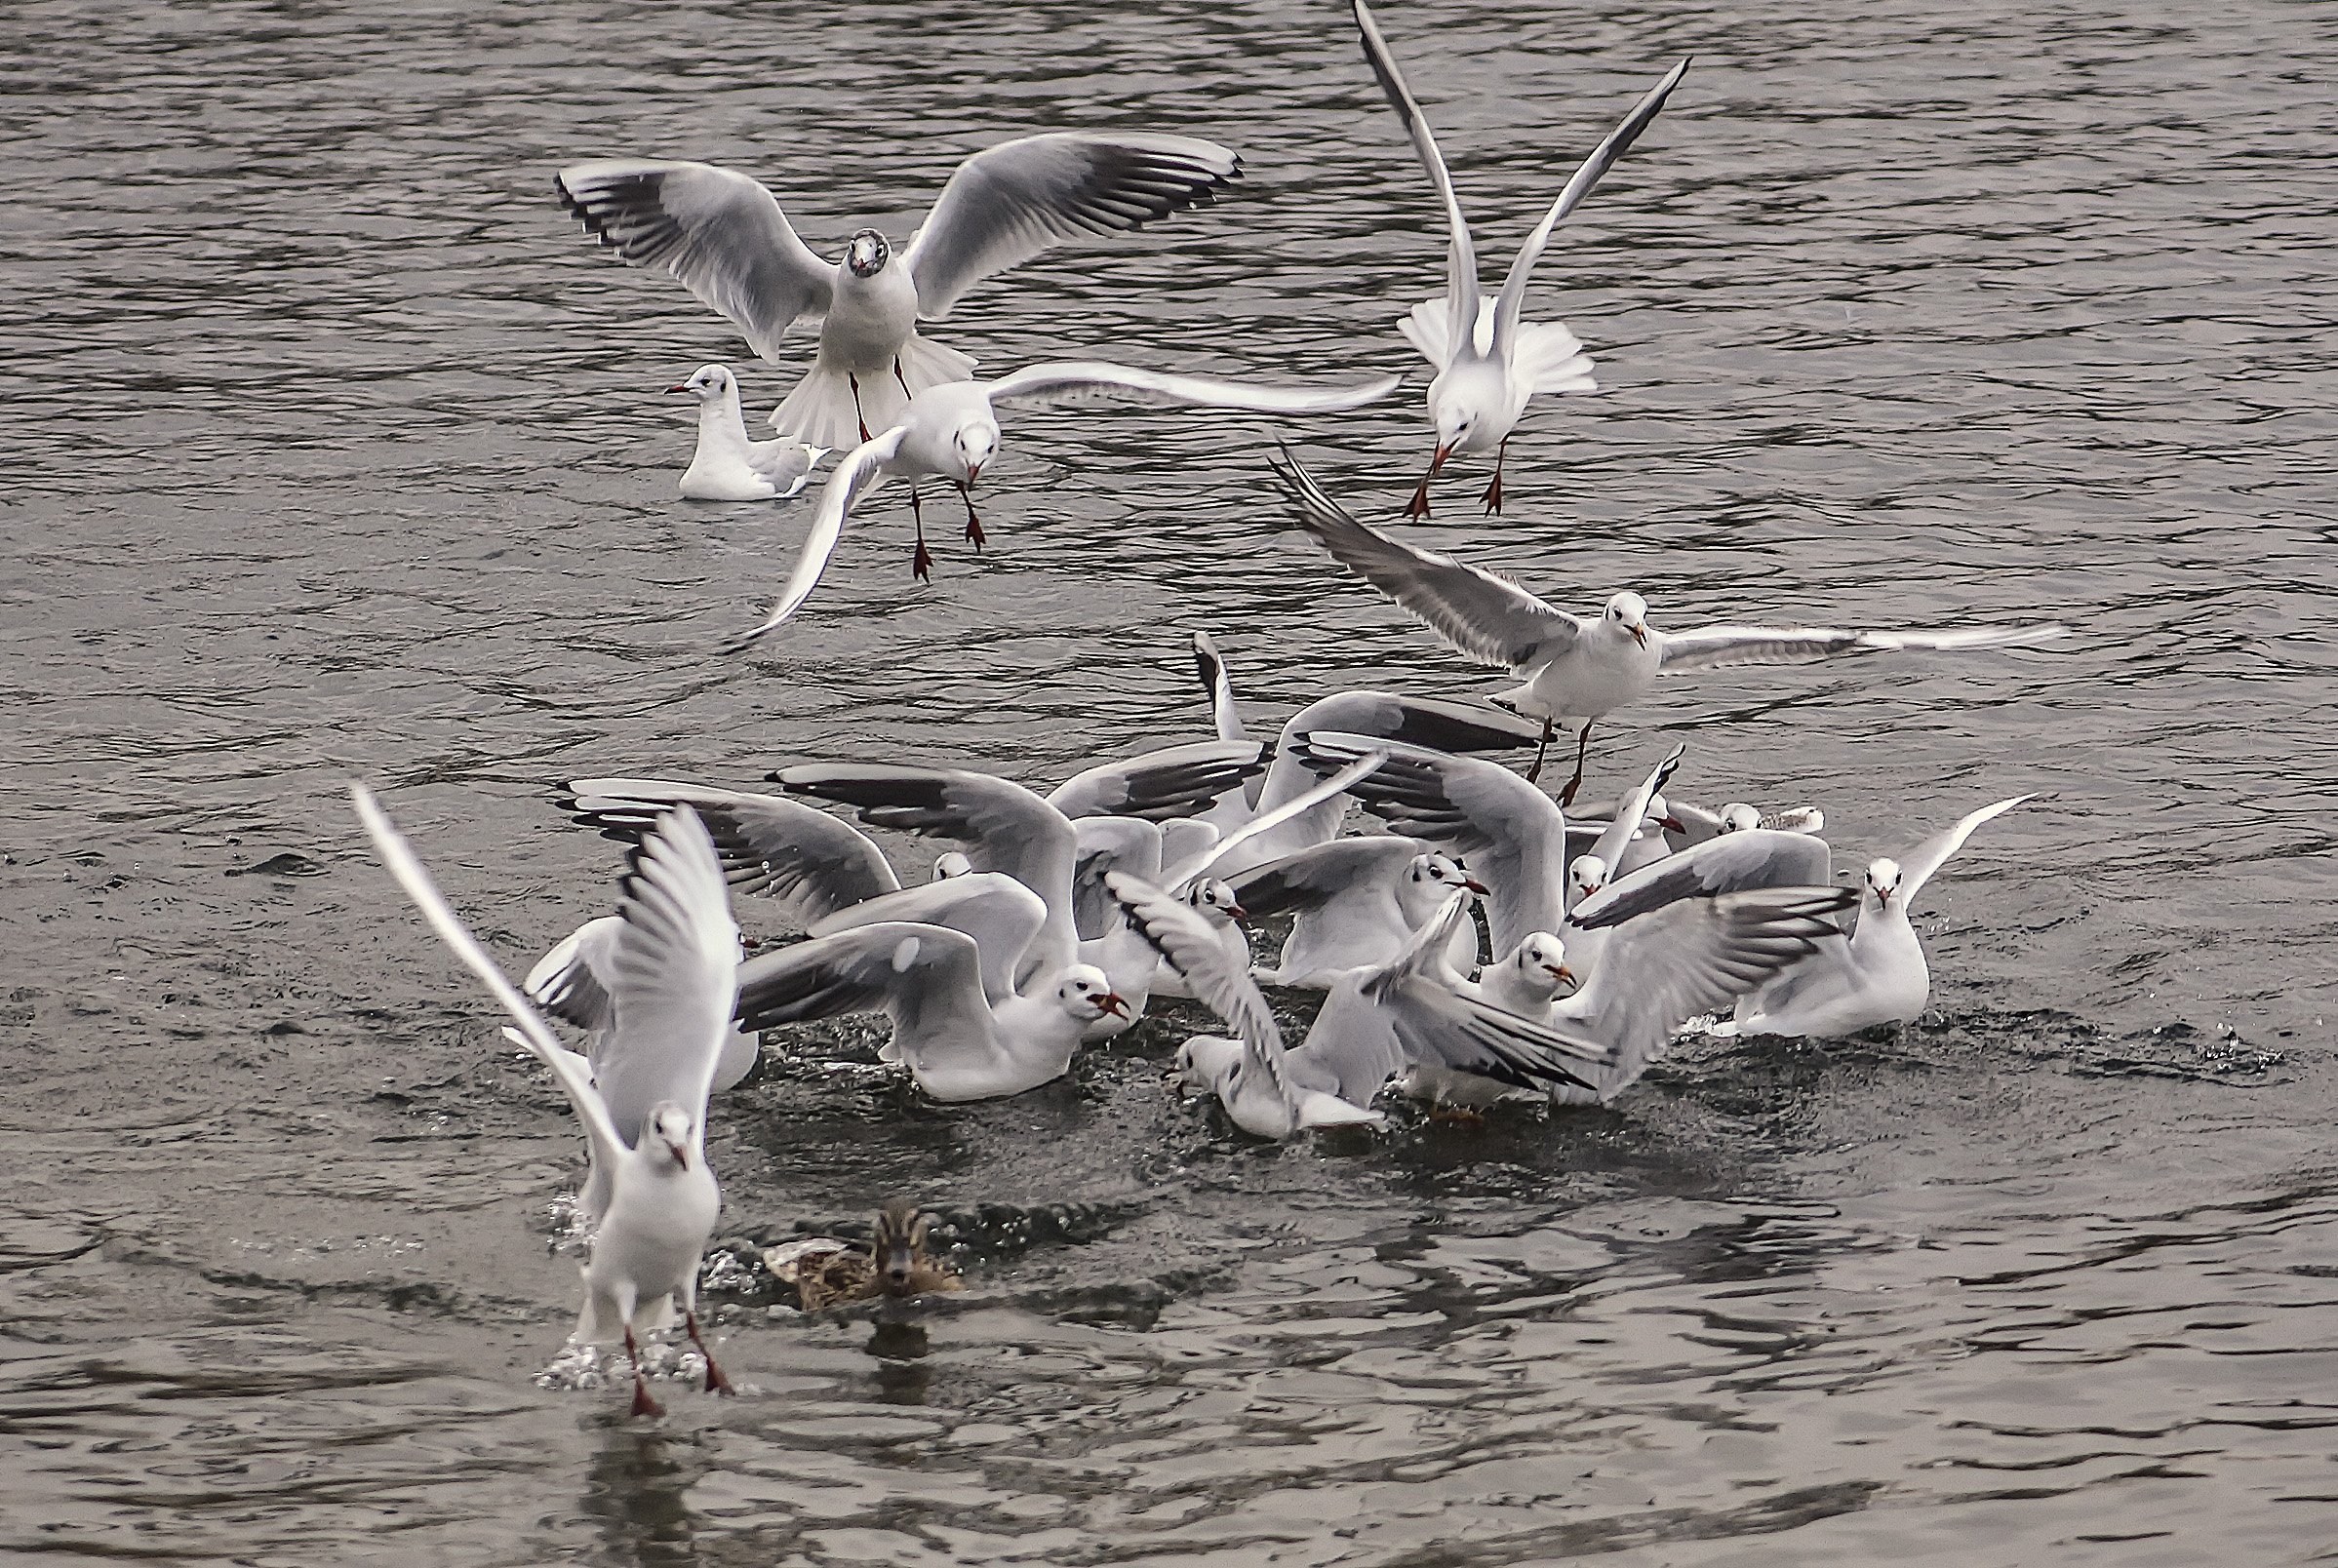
pixel 680 1154
pixel 679 386
pixel 1562 972
pixel 1672 825
pixel 973 471
pixel 1437 460
pixel 1239 915
pixel 1113 1003
pixel 1475 885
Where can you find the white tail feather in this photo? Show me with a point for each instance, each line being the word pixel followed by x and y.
pixel 821 410
pixel 1551 358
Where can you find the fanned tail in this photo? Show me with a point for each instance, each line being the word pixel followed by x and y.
pixel 1551 358
pixel 821 411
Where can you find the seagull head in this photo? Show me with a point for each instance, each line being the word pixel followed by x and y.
pixel 1217 903
pixel 900 1235
pixel 1661 815
pixel 952 863
pixel 707 383
pixel 1459 418
pixel 1883 881
pixel 668 1137
pixel 1589 874
pixel 975 443
pixel 867 255
pixel 1086 992
pixel 1629 612
pixel 1737 818
pixel 1446 875
pixel 1542 958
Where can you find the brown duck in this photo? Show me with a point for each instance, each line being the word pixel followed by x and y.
pixel 896 1264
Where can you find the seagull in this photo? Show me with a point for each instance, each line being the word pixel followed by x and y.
pixel 723 236
pixel 1488 361
pixel 960 1039
pixel 951 431
pixel 1375 1023
pixel 1578 667
pixel 674 977
pixel 1685 824
pixel 1356 904
pixel 727 465
pixel 1878 974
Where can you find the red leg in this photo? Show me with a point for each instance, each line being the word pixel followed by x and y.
pixel 643 1403
pixel 1493 491
pixel 903 380
pixel 921 563
pixel 1567 796
pixel 973 523
pixel 716 1383
pixel 854 381
pixel 1419 506
pixel 1542 746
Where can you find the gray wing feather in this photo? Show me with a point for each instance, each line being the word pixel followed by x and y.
pixel 1174 781
pixel 1000 915
pixel 800 856
pixel 927 979
pixel 563 982
pixel 1734 862
pixel 1461 258
pixel 1314 876
pixel 1006 204
pixel 1713 648
pixel 1190 944
pixel 1918 864
pixel 1062 381
pixel 717 230
pixel 1486 617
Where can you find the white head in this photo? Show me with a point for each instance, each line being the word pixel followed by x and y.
pixel 1629 613
pixel 707 382
pixel 1429 880
pixel 867 255
pixel 952 863
pixel 1883 881
pixel 1588 874
pixel 1217 903
pixel 1739 817
pixel 975 443
pixel 1086 992
pixel 666 1137
pixel 1541 960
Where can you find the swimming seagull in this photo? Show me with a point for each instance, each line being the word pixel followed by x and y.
pixel 951 432
pixel 726 238
pixel 1878 974
pixel 1355 903
pixel 727 466
pixel 674 980
pixel 1577 667
pixel 1488 361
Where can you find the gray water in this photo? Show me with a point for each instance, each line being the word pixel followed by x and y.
pixel 336 453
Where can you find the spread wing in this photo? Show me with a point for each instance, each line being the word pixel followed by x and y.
pixel 718 231
pixel 1633 812
pixel 1920 863
pixel 1000 915
pixel 1461 259
pixel 929 980
pixel 564 983
pixel 1734 862
pixel 1511 300
pixel 1486 617
pixel 1192 946
pixel 853 482
pixel 800 856
pixel 1184 875
pixel 1174 781
pixel 1006 204
pixel 1315 877
pixel 1713 648
pixel 1060 381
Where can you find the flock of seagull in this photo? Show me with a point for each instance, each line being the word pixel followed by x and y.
pixel 1058 916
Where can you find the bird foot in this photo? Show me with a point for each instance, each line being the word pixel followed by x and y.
pixel 1492 498
pixel 1566 796
pixel 973 531
pixel 716 1383
pixel 1419 506
pixel 644 1404
pixel 921 563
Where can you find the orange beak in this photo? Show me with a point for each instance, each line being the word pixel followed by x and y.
pixel 681 1152
pixel 1640 635
pixel 1436 459
pixel 1562 972
pixel 1113 1003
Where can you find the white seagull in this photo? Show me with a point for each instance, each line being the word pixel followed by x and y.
pixel 1354 904
pixel 951 432
pixel 1878 974
pixel 674 981
pixel 1489 362
pixel 727 465
pixel 1577 667
pixel 724 237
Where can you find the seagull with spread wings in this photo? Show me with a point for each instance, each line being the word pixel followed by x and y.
pixel 1578 667
pixel 723 236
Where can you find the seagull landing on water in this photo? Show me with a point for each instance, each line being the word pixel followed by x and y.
pixel 1488 361
pixel 1577 667
pixel 951 432
pixel 728 465
pixel 726 238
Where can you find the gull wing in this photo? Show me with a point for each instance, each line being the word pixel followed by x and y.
pixel 1174 781
pixel 672 979
pixel 1918 864
pixel 1000 915
pixel 1462 258
pixel 1511 300
pixel 533 1036
pixel 1184 876
pixel 1713 648
pixel 1315 877
pixel 1224 717
pixel 1008 203
pixel 1634 811
pixel 717 230
pixel 1695 956
pixel 1192 946
pixel 1735 862
pixel 927 979
pixel 1062 381
pixel 1513 834
pixel 1487 618
pixel 810 862
pixel 563 982
pixel 1440 724
pixel 853 482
